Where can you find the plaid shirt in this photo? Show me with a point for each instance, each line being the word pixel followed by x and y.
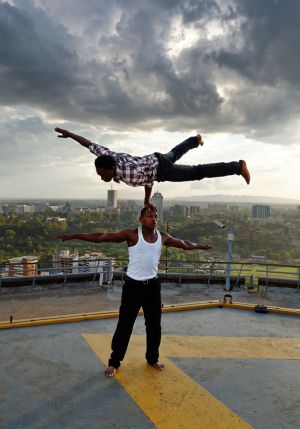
pixel 132 170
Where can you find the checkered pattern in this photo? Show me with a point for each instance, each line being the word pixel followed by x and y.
pixel 132 170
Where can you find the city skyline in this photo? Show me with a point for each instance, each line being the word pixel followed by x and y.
pixel 203 200
pixel 140 77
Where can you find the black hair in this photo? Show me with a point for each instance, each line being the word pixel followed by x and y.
pixel 105 161
pixel 148 208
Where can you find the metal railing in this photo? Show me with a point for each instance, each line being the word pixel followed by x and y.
pixel 247 274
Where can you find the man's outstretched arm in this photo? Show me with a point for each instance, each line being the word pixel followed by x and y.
pixel 97 237
pixel 64 134
pixel 170 241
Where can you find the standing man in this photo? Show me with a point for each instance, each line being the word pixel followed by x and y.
pixel 143 171
pixel 142 286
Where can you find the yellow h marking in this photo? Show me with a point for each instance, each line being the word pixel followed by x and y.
pixel 170 398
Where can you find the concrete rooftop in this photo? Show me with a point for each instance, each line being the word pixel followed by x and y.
pixel 225 368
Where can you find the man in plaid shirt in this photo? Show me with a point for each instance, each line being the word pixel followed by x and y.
pixel 144 170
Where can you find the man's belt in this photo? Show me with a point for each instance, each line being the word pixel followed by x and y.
pixel 142 282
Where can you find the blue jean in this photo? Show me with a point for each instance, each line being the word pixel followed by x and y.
pixel 171 172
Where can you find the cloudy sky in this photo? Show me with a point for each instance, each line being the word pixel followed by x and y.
pixel 140 76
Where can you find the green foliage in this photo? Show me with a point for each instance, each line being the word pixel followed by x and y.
pixel 30 234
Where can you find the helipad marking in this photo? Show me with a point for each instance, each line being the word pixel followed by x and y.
pixel 231 347
pixel 170 398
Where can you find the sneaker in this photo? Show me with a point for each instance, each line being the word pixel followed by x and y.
pixel 244 171
pixel 200 141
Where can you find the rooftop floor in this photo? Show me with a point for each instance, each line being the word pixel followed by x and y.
pixel 42 301
pixel 225 368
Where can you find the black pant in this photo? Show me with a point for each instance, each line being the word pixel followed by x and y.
pixel 171 172
pixel 134 296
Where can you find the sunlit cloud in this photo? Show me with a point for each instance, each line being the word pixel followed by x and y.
pixel 141 76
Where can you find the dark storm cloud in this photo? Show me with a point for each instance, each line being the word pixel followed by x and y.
pixel 198 10
pixel 33 57
pixel 109 63
pixel 268 51
pixel 132 80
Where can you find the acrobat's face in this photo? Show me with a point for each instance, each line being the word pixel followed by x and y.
pixel 106 174
pixel 149 219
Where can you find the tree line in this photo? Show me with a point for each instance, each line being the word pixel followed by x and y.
pixel 30 234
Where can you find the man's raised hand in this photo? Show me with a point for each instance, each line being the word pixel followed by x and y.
pixel 64 133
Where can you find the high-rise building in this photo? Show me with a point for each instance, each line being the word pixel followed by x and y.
pixel 158 202
pixel 112 199
pixel 261 212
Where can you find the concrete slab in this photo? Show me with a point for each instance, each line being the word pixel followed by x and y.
pixel 238 369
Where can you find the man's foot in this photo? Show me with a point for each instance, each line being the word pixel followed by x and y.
pixel 110 371
pixel 244 171
pixel 199 140
pixel 159 366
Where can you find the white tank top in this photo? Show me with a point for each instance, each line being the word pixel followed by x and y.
pixel 144 257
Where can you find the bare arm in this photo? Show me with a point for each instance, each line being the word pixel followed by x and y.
pixel 65 134
pixel 98 237
pixel 148 190
pixel 170 241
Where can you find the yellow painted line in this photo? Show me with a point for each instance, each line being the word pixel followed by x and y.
pixel 58 319
pixel 170 398
pixel 190 306
pixel 231 347
pixel 21 323
pixel 271 309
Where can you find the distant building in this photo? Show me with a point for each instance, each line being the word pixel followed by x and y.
pixel 67 208
pixel 261 212
pixel 25 208
pixel 214 208
pixel 129 206
pixel 83 210
pixel 97 262
pixel 257 258
pixel 180 210
pixel 248 234
pixel 195 210
pixel 112 199
pixel 158 202
pixel 65 262
pixel 41 207
pixel 8 208
pixel 52 219
pixel 23 266
pixel 100 209
pixel 234 209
